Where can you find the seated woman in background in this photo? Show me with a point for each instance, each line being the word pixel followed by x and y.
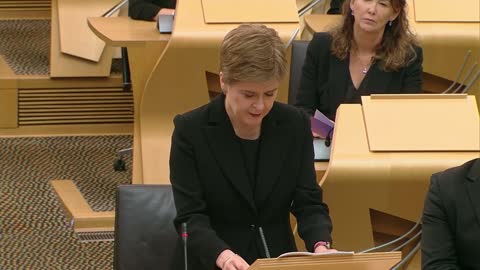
pixel 372 52
pixel 149 10
pixel 451 219
pixel 242 163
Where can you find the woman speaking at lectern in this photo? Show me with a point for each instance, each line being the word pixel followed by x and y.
pixel 372 51
pixel 242 163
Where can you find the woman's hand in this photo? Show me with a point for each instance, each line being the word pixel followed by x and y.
pixel 227 260
pixel 323 249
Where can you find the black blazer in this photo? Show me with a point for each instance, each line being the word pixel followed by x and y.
pixel 335 7
pixel 213 194
pixel 451 219
pixel 325 78
pixel 147 9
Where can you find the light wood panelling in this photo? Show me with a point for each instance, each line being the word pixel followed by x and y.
pixel 75 36
pixel 74 106
pixel 77 209
pixel 68 130
pixel 37 81
pixel 94 222
pixel 15 9
pixel 8 108
pixel 64 65
pixel 7 77
pixel 446 11
pixel 249 11
pixel 8 97
pixel 72 200
pixel 60 118
pixel 24 3
pixel 123 32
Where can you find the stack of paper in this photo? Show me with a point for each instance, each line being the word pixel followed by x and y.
pixel 322 125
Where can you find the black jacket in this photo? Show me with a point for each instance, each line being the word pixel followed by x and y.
pixel 324 81
pixel 451 219
pixel 335 7
pixel 147 9
pixel 213 195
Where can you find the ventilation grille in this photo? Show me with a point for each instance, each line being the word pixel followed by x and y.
pixel 74 106
pixel 86 237
pixel 22 5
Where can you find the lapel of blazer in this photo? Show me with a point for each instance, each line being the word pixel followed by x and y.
pixel 272 154
pixel 473 187
pixel 226 149
pixel 376 80
pixel 338 82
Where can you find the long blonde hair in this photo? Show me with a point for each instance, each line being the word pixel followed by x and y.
pixel 397 48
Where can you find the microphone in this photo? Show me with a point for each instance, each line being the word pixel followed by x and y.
pixel 292 38
pixel 114 9
pixel 307 8
pixel 184 238
pixel 328 139
pixel 264 242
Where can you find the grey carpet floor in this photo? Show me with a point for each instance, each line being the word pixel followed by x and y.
pixel 34 233
pixel 25 46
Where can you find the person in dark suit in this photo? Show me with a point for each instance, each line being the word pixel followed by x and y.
pixel 451 219
pixel 242 163
pixel 149 10
pixel 371 52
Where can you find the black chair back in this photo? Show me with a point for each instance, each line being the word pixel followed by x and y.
pixel 145 237
pixel 299 51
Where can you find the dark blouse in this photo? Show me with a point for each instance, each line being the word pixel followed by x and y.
pixel 354 95
pixel 250 156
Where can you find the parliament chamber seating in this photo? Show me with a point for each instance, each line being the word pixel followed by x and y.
pixel 146 54
pixel 145 237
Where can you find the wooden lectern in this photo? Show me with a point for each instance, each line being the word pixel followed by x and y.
pixel 75 51
pixel 383 154
pixel 366 261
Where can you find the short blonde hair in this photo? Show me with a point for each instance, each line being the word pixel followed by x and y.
pixel 252 52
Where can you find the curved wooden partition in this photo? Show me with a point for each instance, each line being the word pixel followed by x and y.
pixel 178 82
pixel 145 46
pixel 359 181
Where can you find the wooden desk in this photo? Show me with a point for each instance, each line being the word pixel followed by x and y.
pixel 359 183
pixel 145 45
pixel 75 37
pixel 320 169
pixel 123 31
pixel 65 65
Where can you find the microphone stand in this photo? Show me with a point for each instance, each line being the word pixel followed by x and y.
pixel 184 238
